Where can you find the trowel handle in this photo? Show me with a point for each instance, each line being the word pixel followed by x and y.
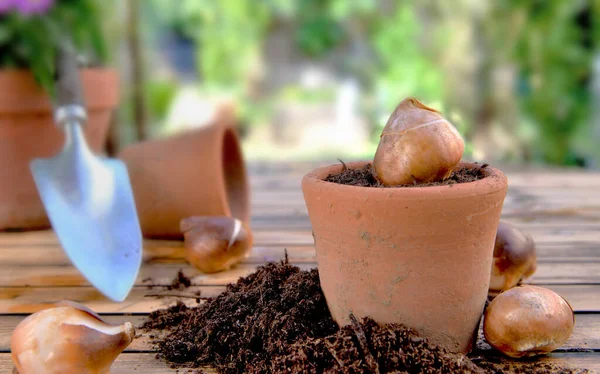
pixel 68 86
pixel 69 105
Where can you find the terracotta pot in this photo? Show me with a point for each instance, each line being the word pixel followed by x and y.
pixel 419 256
pixel 198 172
pixel 27 131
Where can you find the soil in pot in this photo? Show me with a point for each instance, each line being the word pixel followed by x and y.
pixel 364 177
pixel 276 320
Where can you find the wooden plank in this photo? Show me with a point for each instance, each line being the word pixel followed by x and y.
pixel 163 274
pixel 577 195
pixel 126 363
pixel 286 218
pixel 572 361
pixel 141 299
pixel 516 182
pixel 544 201
pixel 130 363
pixel 160 252
pixel 173 252
pixel 261 238
pixel 281 218
pixel 534 174
pixel 514 196
pixel 541 232
pixel 583 298
pixel 546 212
pixel 585 334
pixel 134 362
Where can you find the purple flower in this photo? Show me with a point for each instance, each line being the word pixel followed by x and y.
pixel 6 6
pixel 28 7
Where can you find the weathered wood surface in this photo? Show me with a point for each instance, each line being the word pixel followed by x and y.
pixel 559 208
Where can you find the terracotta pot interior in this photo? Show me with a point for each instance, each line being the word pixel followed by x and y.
pixel 235 175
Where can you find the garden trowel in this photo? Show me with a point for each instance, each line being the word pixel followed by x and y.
pixel 88 198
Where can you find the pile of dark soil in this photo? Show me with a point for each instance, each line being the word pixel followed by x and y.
pixel 365 177
pixel 252 321
pixel 276 321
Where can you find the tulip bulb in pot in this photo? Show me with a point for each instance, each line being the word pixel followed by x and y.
pixel 417 145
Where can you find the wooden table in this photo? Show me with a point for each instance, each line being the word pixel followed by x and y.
pixel 559 208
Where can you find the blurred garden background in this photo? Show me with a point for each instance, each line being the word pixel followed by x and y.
pixel 314 79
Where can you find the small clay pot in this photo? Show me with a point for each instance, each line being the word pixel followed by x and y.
pixel 418 256
pixel 27 131
pixel 199 172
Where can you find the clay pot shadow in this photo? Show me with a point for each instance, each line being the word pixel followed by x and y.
pixel 418 256
pixel 198 172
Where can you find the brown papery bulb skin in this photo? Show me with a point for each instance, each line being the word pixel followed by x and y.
pixel 515 258
pixel 417 145
pixel 215 244
pixel 68 338
pixel 528 321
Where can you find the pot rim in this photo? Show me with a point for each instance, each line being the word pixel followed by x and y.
pixel 494 181
pixel 23 95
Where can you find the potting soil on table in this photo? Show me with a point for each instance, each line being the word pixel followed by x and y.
pixel 365 177
pixel 276 321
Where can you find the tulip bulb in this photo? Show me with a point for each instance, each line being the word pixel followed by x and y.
pixel 527 321
pixel 68 338
pixel 417 145
pixel 514 258
pixel 215 244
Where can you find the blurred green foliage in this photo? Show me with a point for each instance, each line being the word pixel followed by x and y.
pixel 554 51
pixel 228 34
pixel 550 44
pixel 29 41
pixel 304 95
pixel 405 70
pixel 317 32
pixel 160 95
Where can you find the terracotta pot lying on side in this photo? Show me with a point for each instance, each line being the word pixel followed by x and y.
pixel 419 256
pixel 27 131
pixel 198 172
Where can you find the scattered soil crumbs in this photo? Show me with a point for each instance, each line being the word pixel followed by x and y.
pixel 365 177
pixel 180 282
pixel 276 321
